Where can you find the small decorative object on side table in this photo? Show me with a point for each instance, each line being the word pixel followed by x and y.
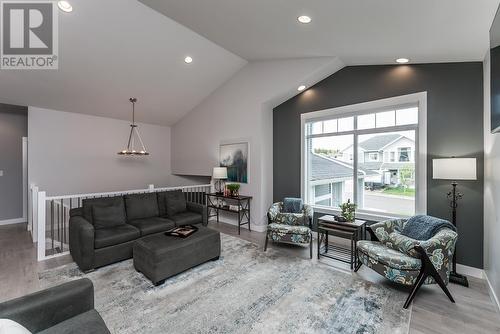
pixel 232 189
pixel 355 230
pixel 241 206
pixel 348 211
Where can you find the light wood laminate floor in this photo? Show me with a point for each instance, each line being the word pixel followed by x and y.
pixel 474 311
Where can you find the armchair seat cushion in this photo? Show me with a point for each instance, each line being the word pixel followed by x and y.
pixel 379 253
pixel 289 233
pixel 89 322
pixel 152 225
pixel 187 218
pixel 105 237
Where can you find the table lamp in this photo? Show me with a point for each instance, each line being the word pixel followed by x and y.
pixel 219 175
pixel 455 169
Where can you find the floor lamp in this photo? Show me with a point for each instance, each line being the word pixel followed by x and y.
pixel 455 169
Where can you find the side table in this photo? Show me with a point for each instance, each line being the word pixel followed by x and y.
pixel 242 202
pixel 327 225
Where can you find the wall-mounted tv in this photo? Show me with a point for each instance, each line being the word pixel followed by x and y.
pixel 495 73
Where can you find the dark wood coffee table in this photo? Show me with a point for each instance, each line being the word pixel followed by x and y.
pixel 327 225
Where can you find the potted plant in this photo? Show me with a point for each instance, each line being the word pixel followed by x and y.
pixel 348 210
pixel 233 189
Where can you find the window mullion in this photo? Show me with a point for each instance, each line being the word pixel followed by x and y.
pixel 355 162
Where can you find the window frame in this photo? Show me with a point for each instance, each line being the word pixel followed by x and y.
pixel 420 155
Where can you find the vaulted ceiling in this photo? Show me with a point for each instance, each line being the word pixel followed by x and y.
pixel 357 31
pixel 114 49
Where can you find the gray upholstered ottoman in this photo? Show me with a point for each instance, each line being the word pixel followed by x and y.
pixel 159 256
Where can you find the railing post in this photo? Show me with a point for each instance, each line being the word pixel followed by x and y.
pixel 41 225
pixel 34 213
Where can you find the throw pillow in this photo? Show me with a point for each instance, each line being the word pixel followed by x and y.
pixel 292 205
pixel 175 203
pixel 141 206
pixel 105 216
pixel 8 326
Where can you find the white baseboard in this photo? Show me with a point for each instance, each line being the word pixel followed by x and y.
pixel 492 292
pixel 253 227
pixel 13 221
pixel 470 271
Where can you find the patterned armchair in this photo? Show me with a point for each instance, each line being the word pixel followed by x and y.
pixel 408 261
pixel 293 228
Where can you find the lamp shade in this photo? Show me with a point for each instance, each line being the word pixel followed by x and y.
pixel 220 173
pixel 454 169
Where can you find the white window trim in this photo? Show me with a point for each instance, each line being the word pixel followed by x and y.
pixel 368 107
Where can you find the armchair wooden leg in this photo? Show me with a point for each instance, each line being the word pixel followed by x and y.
pixel 265 244
pixel 426 270
pixel 311 247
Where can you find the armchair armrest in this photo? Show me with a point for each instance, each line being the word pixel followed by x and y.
pixel 47 308
pixel 273 211
pixel 440 249
pixel 81 242
pixel 383 229
pixel 198 208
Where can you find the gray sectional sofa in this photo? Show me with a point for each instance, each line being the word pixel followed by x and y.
pixel 63 309
pixel 104 230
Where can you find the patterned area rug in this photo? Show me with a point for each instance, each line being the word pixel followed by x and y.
pixel 246 291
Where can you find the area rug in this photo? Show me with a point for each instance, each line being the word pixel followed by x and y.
pixel 246 291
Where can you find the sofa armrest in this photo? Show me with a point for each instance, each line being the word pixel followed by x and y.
pixel 198 208
pixel 81 242
pixel 44 309
pixel 383 229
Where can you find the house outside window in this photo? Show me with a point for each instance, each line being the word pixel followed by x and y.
pixel 368 157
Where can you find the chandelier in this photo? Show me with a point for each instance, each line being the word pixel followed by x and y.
pixel 134 133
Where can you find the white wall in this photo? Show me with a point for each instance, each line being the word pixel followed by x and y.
pixel 242 110
pixel 491 191
pixel 73 153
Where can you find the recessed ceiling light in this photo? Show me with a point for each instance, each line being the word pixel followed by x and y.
pixel 304 19
pixel 188 60
pixel 301 88
pixel 65 6
pixel 402 60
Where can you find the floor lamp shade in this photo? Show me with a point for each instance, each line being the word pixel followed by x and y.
pixel 454 169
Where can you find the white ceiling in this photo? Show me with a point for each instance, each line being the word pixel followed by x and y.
pixel 114 49
pixel 357 31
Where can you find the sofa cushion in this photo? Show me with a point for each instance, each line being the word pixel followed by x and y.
pixel 175 202
pixel 88 203
pixel 140 206
pixel 110 236
pixel 162 203
pixel 105 216
pixel 152 225
pixel 187 218
pixel 89 322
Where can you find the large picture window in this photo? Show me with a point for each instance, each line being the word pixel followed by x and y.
pixel 368 157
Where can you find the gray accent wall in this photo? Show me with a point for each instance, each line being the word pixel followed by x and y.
pixel 454 128
pixel 13 127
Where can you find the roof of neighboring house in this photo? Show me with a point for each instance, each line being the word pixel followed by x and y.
pixel 376 143
pixel 326 168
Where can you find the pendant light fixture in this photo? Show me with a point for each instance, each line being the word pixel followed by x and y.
pixel 134 133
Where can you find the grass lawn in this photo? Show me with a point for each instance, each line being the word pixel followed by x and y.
pixel 400 191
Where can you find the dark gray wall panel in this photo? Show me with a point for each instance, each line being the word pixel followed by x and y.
pixel 454 128
pixel 13 127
